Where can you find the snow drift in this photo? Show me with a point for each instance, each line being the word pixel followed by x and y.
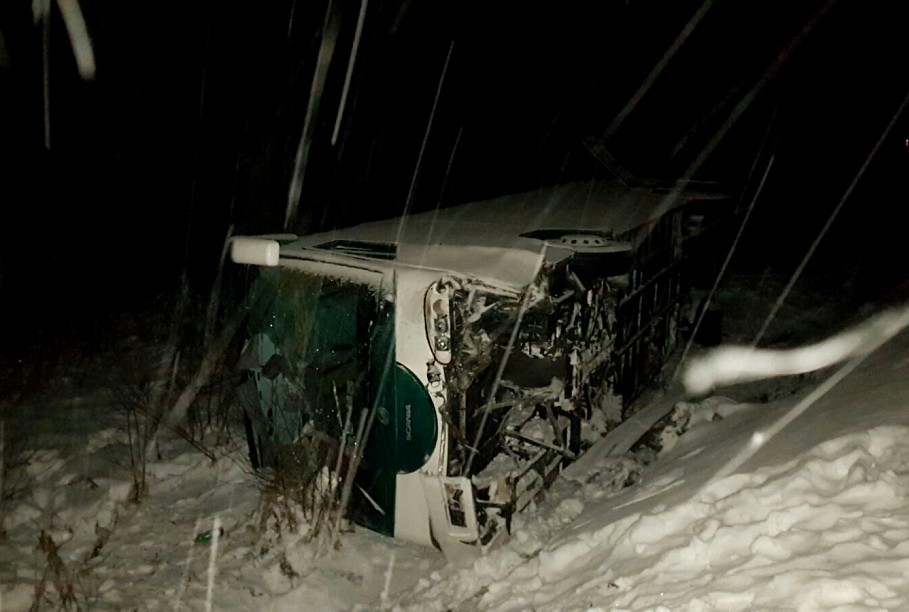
pixel 817 519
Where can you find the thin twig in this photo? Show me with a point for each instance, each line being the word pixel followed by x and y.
pixel 210 362
pixel 351 471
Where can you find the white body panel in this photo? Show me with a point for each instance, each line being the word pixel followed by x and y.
pixel 412 516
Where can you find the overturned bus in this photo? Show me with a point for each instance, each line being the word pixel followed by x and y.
pixel 487 345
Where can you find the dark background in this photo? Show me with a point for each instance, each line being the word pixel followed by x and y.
pixel 190 128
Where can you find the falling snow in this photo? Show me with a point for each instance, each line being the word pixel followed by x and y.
pixel 752 493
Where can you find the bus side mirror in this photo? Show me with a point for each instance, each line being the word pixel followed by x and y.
pixel 255 251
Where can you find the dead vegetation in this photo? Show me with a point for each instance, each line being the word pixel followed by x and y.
pixel 173 376
pixel 306 495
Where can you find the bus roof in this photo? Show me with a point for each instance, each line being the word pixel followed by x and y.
pixel 500 239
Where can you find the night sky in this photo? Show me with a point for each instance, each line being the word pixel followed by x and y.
pixel 190 128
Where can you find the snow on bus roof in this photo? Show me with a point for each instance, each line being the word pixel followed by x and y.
pixel 488 239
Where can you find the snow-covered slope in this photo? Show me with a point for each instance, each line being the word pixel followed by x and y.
pixel 818 518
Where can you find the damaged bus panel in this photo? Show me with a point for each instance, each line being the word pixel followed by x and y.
pixel 480 348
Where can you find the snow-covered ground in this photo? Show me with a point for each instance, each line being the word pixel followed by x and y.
pixel 817 519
